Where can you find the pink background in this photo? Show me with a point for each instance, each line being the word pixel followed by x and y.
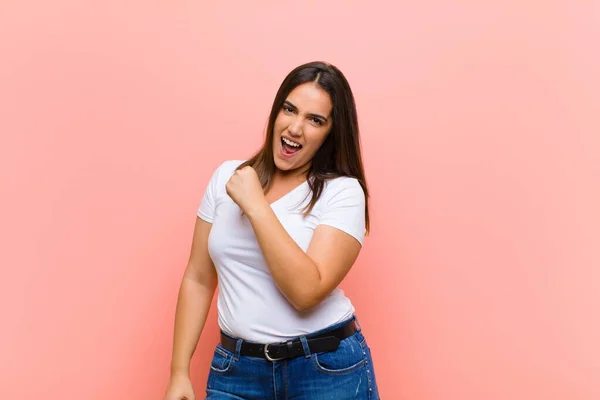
pixel 481 134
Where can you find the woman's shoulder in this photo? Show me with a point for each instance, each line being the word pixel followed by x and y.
pixel 227 168
pixel 342 187
pixel 341 183
pixel 230 165
pixel 223 172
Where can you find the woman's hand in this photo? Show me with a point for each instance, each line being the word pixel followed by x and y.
pixel 180 388
pixel 245 190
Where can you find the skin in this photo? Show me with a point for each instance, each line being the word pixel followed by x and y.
pixel 304 278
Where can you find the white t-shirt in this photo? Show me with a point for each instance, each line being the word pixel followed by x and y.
pixel 250 305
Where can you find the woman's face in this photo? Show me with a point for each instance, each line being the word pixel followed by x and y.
pixel 301 127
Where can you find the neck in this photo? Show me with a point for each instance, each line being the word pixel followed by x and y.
pixel 298 174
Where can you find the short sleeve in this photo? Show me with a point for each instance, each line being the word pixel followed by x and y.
pixel 206 211
pixel 344 207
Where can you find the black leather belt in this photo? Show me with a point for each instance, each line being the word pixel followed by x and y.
pixel 326 341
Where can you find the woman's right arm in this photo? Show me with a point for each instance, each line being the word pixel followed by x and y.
pixel 193 303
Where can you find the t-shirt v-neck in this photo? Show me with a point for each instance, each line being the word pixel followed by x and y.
pixel 289 194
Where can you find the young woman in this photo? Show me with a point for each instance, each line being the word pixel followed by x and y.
pixel 278 233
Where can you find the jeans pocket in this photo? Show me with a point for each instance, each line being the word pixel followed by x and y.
pixel 222 361
pixel 348 357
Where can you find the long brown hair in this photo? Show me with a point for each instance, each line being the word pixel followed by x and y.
pixel 340 154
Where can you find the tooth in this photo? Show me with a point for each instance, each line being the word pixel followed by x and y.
pixel 290 143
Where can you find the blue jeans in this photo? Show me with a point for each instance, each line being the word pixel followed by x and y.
pixel 345 373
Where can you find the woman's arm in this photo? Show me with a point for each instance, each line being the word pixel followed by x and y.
pixel 195 296
pixel 305 279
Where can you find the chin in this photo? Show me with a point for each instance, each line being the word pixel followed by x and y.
pixel 281 164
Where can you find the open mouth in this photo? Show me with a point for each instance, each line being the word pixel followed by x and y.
pixel 289 147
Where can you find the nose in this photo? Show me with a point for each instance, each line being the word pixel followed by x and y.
pixel 295 127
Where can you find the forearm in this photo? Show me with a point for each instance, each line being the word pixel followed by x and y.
pixel 294 272
pixel 193 304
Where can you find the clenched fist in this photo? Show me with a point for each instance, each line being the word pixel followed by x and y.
pixel 245 190
pixel 180 388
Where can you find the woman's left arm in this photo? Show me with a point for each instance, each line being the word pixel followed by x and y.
pixel 305 279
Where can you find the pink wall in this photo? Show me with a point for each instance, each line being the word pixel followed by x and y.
pixel 480 125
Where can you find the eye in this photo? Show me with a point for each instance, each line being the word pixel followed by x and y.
pixel 317 121
pixel 287 109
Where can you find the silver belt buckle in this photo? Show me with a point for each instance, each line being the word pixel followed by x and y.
pixel 268 357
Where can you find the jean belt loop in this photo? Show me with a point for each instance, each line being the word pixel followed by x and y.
pixel 305 346
pixel 358 327
pixel 238 349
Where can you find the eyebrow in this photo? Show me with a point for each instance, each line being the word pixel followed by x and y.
pixel 311 114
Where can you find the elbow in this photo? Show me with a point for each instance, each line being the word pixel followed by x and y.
pixel 306 302
pixel 306 296
pixel 304 307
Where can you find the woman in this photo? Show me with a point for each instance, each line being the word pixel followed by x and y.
pixel 279 232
